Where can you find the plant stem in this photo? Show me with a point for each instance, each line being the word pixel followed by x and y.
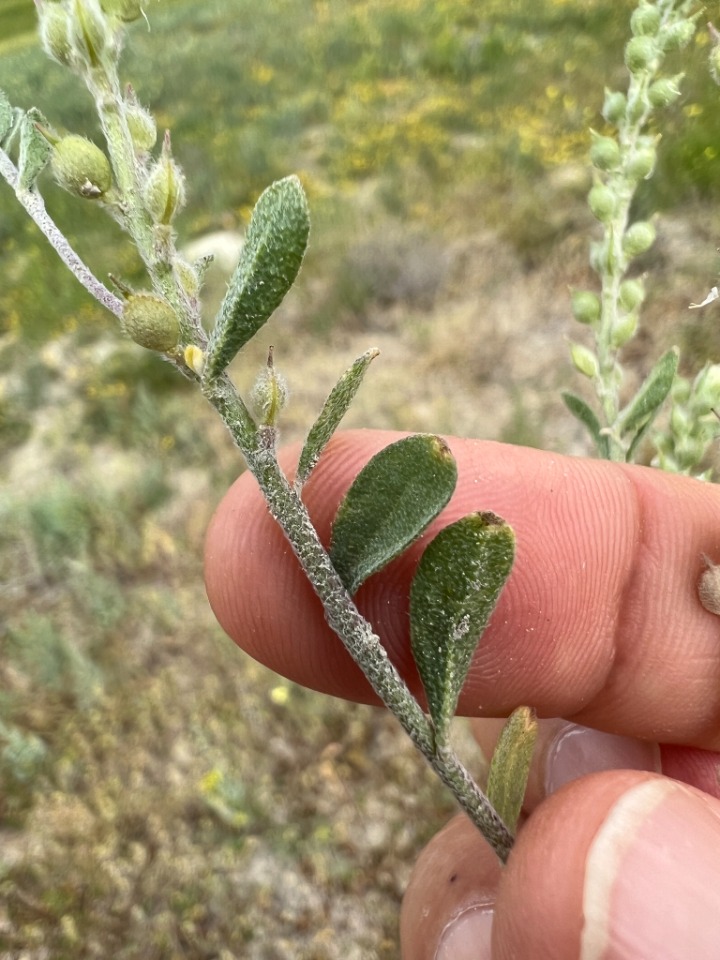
pixel 35 207
pixel 342 615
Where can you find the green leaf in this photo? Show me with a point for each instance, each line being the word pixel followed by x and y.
pixel 334 409
pixel 454 591
pixel 587 418
pixel 35 151
pixel 6 116
pixel 647 401
pixel 510 765
pixel 269 263
pixel 390 503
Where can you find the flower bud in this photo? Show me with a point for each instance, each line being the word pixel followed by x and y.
pixel 640 52
pixel 584 360
pixel 269 395
pixel 88 31
pixel 645 21
pixel 631 294
pixel 585 306
pixel 638 238
pixel 151 322
pixel 80 167
pixel 54 23
pixel 125 10
pixel 195 359
pixel 604 152
pixel 665 91
pixel 186 276
pixel 602 202
pixel 614 106
pixel 164 191
pixel 143 131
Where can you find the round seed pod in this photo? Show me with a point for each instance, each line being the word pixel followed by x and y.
pixel 80 167
pixel 645 21
pixel 709 587
pixel 639 53
pixel 602 202
pixel 151 322
pixel 664 92
pixel 604 152
pixel 614 106
pixel 639 237
pixel 631 294
pixel 585 306
pixel 142 128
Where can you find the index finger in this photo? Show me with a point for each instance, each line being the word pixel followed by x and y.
pixel 599 623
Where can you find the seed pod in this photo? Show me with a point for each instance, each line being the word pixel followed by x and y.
pixel 678 35
pixel 640 52
pixel 665 91
pixel 623 329
pixel 639 237
pixel 631 294
pixel 80 167
pixel 585 306
pixel 164 192
pixel 142 128
pixel 88 32
pixel 269 394
pixel 709 587
pixel 584 360
pixel 641 165
pixel 602 202
pixel 151 322
pixel 604 152
pixel 645 21
pixel 614 106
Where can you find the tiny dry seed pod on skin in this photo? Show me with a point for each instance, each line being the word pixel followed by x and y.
pixel 151 322
pixel 709 587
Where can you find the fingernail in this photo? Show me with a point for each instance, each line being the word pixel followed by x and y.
pixel 576 751
pixel 468 936
pixel 651 877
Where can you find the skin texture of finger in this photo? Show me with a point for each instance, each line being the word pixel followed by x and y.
pixel 700 768
pixel 456 875
pixel 615 866
pixel 600 622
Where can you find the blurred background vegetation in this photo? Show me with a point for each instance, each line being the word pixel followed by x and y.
pixel 161 795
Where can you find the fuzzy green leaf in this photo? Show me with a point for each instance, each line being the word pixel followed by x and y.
pixel 650 397
pixel 587 418
pixel 6 116
pixel 454 591
pixel 510 765
pixel 390 503
pixel 269 263
pixel 35 151
pixel 334 409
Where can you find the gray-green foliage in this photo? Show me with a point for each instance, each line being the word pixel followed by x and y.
pixel 454 591
pixel 272 254
pixel 391 501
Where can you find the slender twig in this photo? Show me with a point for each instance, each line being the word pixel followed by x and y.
pixel 35 206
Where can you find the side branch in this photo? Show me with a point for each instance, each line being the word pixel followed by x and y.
pixel 35 206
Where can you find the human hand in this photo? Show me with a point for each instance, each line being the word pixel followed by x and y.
pixel 600 624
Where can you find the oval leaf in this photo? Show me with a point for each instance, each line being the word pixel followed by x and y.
pixel 587 417
pixel 454 591
pixel 35 150
pixel 334 409
pixel 269 263
pixel 510 765
pixel 647 401
pixel 391 501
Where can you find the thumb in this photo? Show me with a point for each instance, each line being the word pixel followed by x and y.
pixel 620 865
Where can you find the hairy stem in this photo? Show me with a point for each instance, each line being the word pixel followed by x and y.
pixel 356 634
pixel 35 207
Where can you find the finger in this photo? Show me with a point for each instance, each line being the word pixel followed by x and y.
pixel 617 865
pixel 600 622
